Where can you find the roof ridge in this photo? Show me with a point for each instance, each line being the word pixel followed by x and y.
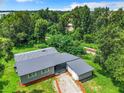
pixel 32 51
pixel 41 56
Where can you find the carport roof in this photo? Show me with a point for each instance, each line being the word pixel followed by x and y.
pixel 79 66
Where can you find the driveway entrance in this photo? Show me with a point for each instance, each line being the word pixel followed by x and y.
pixel 67 84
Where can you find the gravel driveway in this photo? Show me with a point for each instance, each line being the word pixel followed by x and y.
pixel 67 84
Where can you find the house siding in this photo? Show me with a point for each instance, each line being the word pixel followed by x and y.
pixel 74 75
pixel 25 79
pixel 86 75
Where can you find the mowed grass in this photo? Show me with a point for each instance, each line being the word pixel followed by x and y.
pixel 100 83
pixel 10 83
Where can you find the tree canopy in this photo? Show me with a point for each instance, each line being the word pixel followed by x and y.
pixel 5 49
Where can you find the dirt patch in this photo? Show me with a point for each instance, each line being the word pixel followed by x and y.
pixel 67 84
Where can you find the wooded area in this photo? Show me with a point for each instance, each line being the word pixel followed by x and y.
pixel 101 26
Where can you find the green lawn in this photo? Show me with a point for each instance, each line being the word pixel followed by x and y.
pixel 9 82
pixel 100 83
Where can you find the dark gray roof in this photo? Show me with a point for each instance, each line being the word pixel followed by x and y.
pixel 35 64
pixel 34 54
pixel 79 66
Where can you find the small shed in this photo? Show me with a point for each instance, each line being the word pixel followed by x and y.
pixel 79 69
pixel 70 27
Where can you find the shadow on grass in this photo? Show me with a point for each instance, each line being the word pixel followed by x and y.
pixel 89 78
pixel 120 85
pixel 2 84
pixel 24 46
pixel 2 67
pixel 104 73
pixel 116 83
pixel 33 91
pixel 37 91
pixel 20 92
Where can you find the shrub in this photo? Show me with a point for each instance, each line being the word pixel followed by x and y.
pixel 76 34
pixel 64 43
pixel 88 38
pixel 6 49
pixel 41 45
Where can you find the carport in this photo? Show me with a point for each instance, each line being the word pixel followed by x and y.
pixel 60 68
pixel 79 69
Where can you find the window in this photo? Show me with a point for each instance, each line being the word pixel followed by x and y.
pixel 41 72
pixel 45 71
pixel 31 75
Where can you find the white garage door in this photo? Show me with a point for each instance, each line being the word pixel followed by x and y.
pixel 74 75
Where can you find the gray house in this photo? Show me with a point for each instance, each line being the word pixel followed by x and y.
pixel 31 66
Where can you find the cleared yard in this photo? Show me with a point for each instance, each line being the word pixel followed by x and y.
pixel 67 84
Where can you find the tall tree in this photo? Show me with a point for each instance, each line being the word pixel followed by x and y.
pixel 100 18
pixel 49 15
pixel 117 18
pixel 5 49
pixel 111 40
pixel 82 19
pixel 115 65
pixel 40 30
pixel 63 22
pixel 18 27
pixel 53 29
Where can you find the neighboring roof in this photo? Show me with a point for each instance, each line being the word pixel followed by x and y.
pixel 70 24
pixel 79 66
pixel 35 64
pixel 34 54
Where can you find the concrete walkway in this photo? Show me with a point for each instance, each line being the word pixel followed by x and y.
pixel 67 84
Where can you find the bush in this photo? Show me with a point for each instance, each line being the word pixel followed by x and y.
pixel 88 38
pixel 98 58
pixel 76 34
pixel 64 43
pixel 2 67
pixel 6 49
pixel 76 50
pixel 60 42
pixel 77 42
pixel 115 65
pixel 53 29
pixel 88 57
pixel 40 45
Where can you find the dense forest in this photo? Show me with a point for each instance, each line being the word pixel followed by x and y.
pixel 49 28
